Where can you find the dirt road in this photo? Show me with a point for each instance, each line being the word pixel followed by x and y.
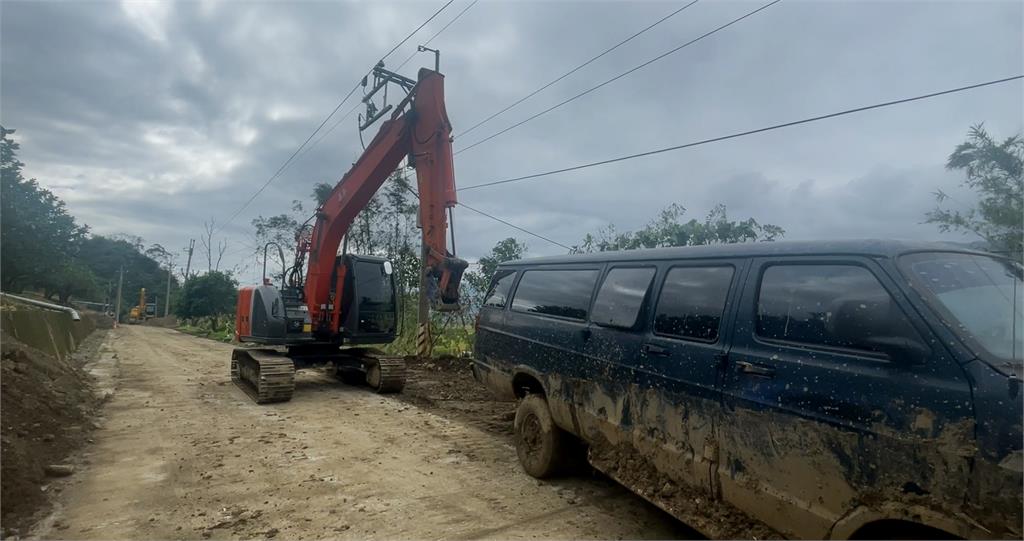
pixel 182 453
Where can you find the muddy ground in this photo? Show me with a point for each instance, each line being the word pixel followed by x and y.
pixel 181 453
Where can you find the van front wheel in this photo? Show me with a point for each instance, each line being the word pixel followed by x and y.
pixel 540 444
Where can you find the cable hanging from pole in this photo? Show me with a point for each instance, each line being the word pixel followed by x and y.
pixel 513 226
pixel 744 133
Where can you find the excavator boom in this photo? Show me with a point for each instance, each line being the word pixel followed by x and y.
pixel 350 299
pixel 423 134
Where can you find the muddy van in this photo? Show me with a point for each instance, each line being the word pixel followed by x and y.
pixel 857 389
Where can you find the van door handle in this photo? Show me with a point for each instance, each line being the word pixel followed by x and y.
pixel 755 369
pixel 651 349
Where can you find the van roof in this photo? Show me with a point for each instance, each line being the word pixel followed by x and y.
pixel 869 247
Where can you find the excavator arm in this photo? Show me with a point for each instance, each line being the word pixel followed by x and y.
pixel 418 129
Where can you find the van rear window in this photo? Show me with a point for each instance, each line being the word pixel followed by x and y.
pixel 564 293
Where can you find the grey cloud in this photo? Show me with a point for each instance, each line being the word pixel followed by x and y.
pixel 152 127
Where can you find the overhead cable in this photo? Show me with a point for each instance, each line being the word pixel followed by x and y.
pixel 406 61
pixel 619 76
pixel 577 68
pixel 513 226
pixel 324 122
pixel 745 133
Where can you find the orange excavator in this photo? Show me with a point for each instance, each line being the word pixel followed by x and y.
pixel 329 313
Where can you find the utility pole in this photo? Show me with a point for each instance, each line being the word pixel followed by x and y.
pixel 188 266
pixel 167 298
pixel 424 342
pixel 120 282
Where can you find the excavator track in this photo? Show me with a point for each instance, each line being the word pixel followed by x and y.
pixel 265 375
pixel 385 374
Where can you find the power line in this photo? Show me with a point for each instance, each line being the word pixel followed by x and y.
pixel 438 33
pixel 288 161
pixel 619 76
pixel 418 28
pixel 495 218
pixel 577 68
pixel 745 133
pixel 513 226
pixel 324 122
pixel 406 61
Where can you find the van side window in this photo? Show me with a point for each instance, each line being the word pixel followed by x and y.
pixel 499 289
pixel 692 302
pixel 621 296
pixel 564 293
pixel 838 306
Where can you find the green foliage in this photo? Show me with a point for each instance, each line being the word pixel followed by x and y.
pixel 105 256
pixel 37 235
pixel 479 280
pixel 280 229
pixel 320 193
pixel 667 230
pixel 72 279
pixel 44 248
pixel 221 329
pixel 995 172
pixel 209 295
pixel 452 333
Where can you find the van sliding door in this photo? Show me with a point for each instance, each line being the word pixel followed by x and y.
pixel 608 387
pixel 678 367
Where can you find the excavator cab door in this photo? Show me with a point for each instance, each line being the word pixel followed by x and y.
pixel 371 307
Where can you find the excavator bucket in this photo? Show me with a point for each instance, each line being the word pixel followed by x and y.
pixel 448 275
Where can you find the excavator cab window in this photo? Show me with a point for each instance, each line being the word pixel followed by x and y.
pixel 374 290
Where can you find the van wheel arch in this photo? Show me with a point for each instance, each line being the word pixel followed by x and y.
pixel 900 529
pixel 524 383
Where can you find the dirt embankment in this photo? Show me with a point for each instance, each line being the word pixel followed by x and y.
pixel 47 404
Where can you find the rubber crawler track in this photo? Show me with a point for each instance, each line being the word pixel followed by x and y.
pixel 265 375
pixel 386 374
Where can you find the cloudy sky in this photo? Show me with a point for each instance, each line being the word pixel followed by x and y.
pixel 150 118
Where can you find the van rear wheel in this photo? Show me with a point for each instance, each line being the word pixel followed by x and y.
pixel 540 444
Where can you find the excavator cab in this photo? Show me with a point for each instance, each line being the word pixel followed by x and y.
pixel 371 314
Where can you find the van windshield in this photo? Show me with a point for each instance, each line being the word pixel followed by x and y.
pixel 980 296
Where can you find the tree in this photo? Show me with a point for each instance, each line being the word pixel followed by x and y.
pixel 280 229
pixel 210 295
pixel 995 172
pixel 37 235
pixel 106 256
pixel 73 279
pixel 320 192
pixel 213 253
pixel 508 249
pixel 667 230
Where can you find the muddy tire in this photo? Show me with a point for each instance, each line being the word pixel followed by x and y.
pixel 540 444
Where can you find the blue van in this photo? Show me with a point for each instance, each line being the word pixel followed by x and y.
pixel 854 389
